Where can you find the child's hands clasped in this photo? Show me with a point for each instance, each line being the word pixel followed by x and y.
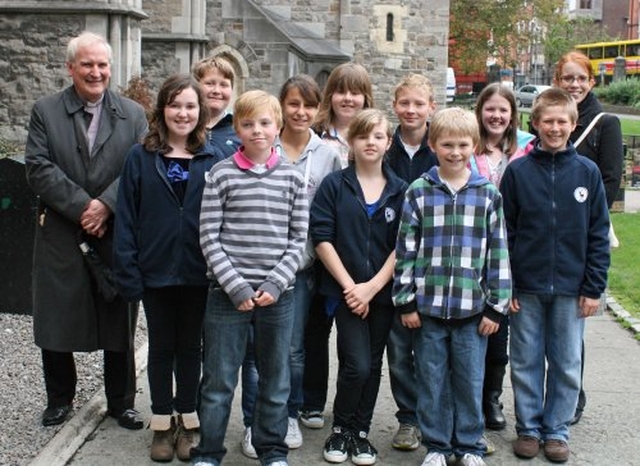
pixel 358 297
pixel 260 299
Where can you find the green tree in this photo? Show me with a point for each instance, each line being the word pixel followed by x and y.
pixel 563 34
pixel 492 28
pixel 480 29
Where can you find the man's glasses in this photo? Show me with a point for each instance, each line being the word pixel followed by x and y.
pixel 569 79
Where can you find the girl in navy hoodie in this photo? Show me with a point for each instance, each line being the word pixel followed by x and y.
pixel 158 257
pixel 354 222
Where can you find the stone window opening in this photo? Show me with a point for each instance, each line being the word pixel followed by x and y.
pixel 390 27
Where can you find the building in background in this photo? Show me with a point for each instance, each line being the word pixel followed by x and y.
pixel 266 40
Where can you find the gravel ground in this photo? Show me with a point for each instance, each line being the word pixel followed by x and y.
pixel 22 394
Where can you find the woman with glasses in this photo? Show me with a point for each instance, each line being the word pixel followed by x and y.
pixel 602 143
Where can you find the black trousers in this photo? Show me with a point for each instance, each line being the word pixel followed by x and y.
pixel 174 326
pixel 60 378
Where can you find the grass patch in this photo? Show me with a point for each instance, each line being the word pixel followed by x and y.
pixel 624 274
pixel 629 126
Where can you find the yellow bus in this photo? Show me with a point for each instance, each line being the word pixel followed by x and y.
pixel 603 54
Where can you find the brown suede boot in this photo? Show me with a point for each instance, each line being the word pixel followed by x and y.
pixel 164 434
pixel 187 436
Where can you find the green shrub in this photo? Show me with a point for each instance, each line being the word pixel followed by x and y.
pixel 621 93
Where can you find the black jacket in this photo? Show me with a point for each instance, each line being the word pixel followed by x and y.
pixel 410 168
pixel 603 144
pixel 339 216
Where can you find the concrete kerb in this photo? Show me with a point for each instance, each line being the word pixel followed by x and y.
pixel 72 436
pixel 626 319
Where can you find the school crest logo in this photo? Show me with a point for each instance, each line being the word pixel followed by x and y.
pixel 389 214
pixel 581 194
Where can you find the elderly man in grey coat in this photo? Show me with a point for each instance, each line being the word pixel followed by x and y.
pixel 77 142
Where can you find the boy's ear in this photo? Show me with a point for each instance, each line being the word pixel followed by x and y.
pixel 534 125
pixel 573 126
pixel 433 108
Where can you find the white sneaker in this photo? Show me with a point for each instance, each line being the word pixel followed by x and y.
pixel 469 459
pixel 434 458
pixel 247 447
pixel 293 438
pixel 312 419
pixel 279 463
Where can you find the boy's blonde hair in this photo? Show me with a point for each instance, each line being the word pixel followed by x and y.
pixel 551 98
pixel 456 122
pixel 414 81
pixel 251 102
pixel 204 66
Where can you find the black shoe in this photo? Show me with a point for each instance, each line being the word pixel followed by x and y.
pixel 493 415
pixel 577 416
pixel 362 452
pixel 129 419
pixel 53 416
pixel 336 448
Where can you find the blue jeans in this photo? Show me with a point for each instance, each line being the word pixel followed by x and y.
pixel 361 344
pixel 402 371
pixel 249 382
pixel 226 333
pixel 550 328
pixel 302 292
pixel 450 370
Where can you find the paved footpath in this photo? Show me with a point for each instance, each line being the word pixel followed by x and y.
pixel 607 435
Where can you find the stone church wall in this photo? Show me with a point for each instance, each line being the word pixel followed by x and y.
pixel 161 37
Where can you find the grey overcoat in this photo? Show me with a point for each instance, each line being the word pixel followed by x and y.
pixel 68 314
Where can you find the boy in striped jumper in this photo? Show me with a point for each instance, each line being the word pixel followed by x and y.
pixel 452 282
pixel 253 228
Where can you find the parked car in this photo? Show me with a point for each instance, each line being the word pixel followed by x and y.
pixel 528 93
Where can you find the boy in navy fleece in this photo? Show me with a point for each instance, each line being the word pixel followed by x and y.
pixel 409 156
pixel 557 223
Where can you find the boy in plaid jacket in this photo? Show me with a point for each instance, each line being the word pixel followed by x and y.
pixel 452 281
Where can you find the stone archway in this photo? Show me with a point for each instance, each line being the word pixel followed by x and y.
pixel 239 66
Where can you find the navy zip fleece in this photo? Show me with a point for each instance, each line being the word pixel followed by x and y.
pixel 410 168
pixel 339 216
pixel 156 241
pixel 223 137
pixel 557 224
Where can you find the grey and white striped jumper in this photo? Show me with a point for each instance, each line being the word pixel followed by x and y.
pixel 253 228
